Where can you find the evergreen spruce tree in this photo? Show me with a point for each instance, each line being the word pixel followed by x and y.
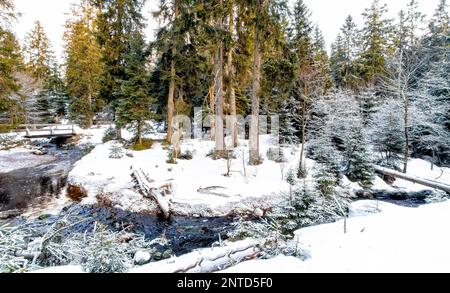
pixel 430 114
pixel 338 61
pixel 277 66
pixel 386 132
pixel 55 90
pixel 7 12
pixel 83 64
pixel 376 37
pixel 38 54
pixel 116 22
pixel 10 62
pixel 359 164
pixel 290 122
pixel 320 64
pixel 135 105
pixel 437 39
pixel 311 67
pixel 344 56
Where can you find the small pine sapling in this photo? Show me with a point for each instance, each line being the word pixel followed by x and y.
pixel 116 151
pixel 291 181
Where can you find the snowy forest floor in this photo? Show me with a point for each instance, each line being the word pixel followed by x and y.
pixel 199 185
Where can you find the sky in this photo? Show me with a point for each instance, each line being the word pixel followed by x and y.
pixel 328 14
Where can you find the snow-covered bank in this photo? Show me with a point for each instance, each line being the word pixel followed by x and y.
pixel 199 186
pixel 380 238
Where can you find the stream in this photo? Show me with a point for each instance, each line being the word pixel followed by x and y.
pixel 35 181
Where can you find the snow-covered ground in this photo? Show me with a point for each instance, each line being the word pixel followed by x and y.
pixel 380 238
pixel 199 185
pixel 246 189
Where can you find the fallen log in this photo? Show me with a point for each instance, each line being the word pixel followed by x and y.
pixel 425 182
pixel 206 260
pixel 150 190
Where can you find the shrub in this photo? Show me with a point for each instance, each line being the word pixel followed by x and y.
pixel 87 148
pixel 105 254
pixel 109 134
pixel 187 155
pixel 276 155
pixel 5 128
pixel 116 152
pixel 325 181
pixel 171 158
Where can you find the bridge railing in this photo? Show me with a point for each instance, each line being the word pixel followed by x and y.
pixel 28 128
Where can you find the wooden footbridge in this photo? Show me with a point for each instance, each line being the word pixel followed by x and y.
pixel 47 130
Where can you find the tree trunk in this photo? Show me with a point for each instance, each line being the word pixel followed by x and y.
pixel 256 88
pixel 170 102
pixel 118 133
pixel 231 89
pixel 139 133
pixel 403 96
pixel 170 98
pixel 433 160
pixel 212 106
pixel 89 121
pixel 118 128
pixel 301 169
pixel 218 77
pixel 406 150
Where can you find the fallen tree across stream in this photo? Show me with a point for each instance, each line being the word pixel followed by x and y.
pixel 414 179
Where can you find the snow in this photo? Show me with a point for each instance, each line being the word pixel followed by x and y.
pixel 246 189
pixel 72 269
pixel 93 135
pixel 380 184
pixel 279 264
pixel 380 238
pixel 19 158
pixel 422 169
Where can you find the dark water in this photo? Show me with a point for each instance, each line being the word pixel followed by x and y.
pixel 183 234
pixel 27 187
pixel 44 180
pixel 399 197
